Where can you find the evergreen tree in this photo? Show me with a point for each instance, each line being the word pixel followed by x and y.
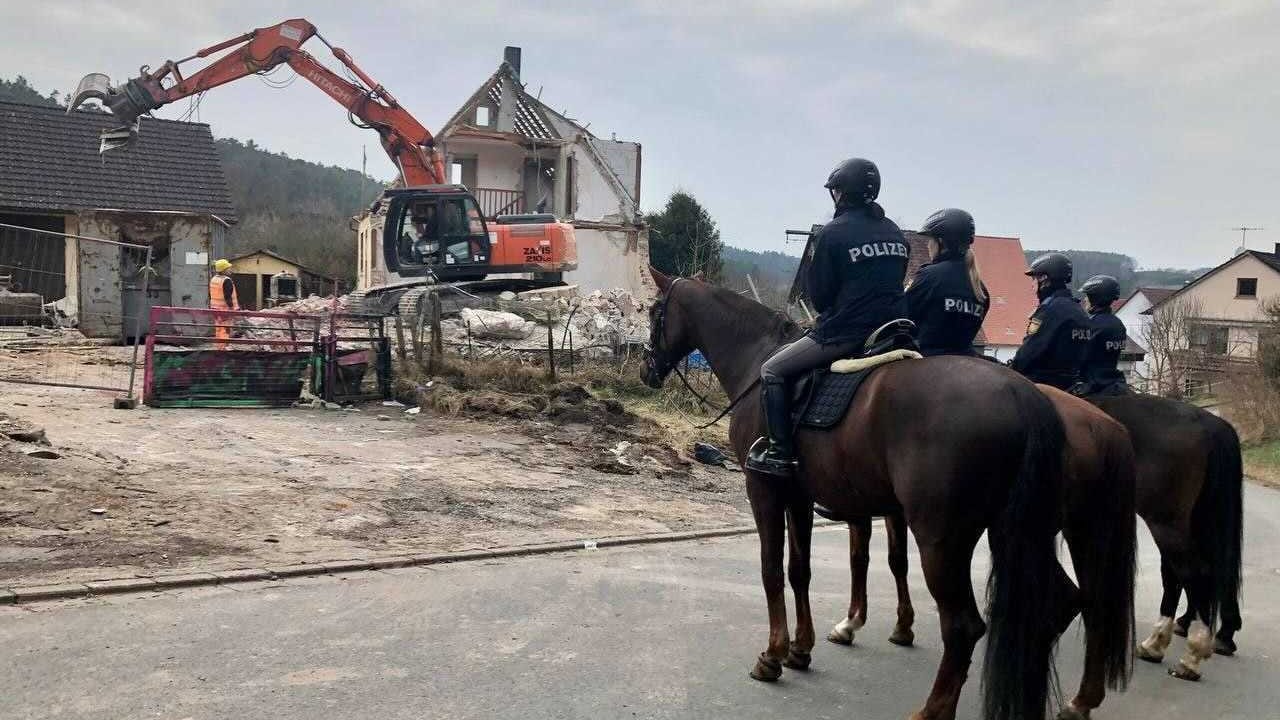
pixel 684 240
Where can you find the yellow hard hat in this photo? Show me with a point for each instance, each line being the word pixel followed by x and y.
pixel 221 265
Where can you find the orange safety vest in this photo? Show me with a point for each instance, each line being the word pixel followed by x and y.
pixel 217 301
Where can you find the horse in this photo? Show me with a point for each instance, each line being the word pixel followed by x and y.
pixel 1098 522
pixel 957 445
pixel 1189 492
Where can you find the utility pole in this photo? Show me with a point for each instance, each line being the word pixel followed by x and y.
pixel 1244 233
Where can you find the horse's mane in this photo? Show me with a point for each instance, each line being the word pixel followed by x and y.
pixel 744 316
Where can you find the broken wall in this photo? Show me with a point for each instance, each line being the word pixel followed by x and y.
pixel 609 259
pixel 107 277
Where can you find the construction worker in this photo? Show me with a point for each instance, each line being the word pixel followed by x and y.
pixel 222 296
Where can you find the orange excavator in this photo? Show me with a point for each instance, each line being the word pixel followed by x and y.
pixel 430 228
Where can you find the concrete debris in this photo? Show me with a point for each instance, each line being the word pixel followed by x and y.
pixel 43 454
pixel 496 325
pixel 596 325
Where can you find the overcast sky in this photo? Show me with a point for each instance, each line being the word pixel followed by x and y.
pixel 1140 126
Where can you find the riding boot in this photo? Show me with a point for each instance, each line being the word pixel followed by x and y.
pixel 776 454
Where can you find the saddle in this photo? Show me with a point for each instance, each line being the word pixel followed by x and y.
pixel 822 397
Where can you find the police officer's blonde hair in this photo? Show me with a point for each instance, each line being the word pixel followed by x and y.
pixel 975 278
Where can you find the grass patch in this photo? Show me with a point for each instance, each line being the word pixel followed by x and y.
pixel 1262 462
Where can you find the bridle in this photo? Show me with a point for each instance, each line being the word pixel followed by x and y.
pixel 660 363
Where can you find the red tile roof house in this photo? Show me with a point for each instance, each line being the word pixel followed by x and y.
pixel 1003 267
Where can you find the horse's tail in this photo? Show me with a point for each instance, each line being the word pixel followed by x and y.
pixel 1108 532
pixel 1217 522
pixel 1018 675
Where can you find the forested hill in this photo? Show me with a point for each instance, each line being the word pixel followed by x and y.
pixel 1123 268
pixel 299 209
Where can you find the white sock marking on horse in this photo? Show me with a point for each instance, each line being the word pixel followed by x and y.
pixel 1161 636
pixel 846 629
pixel 1199 646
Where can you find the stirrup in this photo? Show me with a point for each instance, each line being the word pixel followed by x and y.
pixel 763 458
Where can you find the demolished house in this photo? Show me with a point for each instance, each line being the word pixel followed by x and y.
pixel 168 193
pixel 517 155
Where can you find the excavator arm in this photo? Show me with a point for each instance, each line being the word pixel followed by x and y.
pixel 409 144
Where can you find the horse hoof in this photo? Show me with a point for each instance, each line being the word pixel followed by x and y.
pixel 1144 654
pixel 798 660
pixel 840 636
pixel 1225 648
pixel 1071 712
pixel 1182 672
pixel 1179 630
pixel 903 638
pixel 766 669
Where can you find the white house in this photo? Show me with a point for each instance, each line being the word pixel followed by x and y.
pixel 517 155
pixel 1132 311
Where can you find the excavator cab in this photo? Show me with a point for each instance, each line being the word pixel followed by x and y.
pixel 436 230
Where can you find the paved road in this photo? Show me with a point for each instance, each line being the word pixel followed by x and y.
pixel 651 632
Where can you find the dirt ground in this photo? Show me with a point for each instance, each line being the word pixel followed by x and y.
pixel 147 490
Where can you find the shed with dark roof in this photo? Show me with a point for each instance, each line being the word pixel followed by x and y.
pixel 60 198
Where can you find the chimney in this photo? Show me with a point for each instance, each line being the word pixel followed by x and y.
pixel 511 56
pixel 1278 248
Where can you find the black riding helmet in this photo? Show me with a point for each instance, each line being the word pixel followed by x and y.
pixel 1054 266
pixel 952 227
pixel 1101 289
pixel 856 179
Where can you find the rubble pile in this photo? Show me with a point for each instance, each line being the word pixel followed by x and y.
pixel 598 323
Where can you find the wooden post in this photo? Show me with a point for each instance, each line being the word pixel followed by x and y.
pixel 752 284
pixel 401 350
pixel 419 322
pixel 437 337
pixel 551 350
pixel 470 351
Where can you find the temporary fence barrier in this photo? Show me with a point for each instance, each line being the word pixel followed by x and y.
pixel 72 308
pixel 265 361
pixel 354 344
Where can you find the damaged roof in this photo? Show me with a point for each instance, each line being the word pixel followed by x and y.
pixel 531 119
pixel 49 160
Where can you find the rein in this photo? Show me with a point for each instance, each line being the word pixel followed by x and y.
pixel 660 332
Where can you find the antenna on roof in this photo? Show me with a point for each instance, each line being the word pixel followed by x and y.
pixel 1244 234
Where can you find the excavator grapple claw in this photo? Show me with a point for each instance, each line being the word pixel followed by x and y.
pixel 94 86
pixel 97 86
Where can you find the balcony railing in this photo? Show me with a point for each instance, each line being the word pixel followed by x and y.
pixel 495 202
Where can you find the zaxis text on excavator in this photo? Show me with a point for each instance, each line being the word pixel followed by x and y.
pixel 429 228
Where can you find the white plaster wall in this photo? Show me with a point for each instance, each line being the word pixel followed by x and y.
pixel 1216 292
pixel 1137 327
pixel 595 197
pixel 99 288
pixel 623 158
pixel 609 259
pixel 1003 353
pixel 498 165
pixel 189 282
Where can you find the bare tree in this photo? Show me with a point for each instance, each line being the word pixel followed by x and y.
pixel 1170 340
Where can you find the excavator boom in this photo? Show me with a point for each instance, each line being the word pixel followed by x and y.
pixel 409 144
pixel 431 229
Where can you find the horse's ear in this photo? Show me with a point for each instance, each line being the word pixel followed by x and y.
pixel 700 276
pixel 663 281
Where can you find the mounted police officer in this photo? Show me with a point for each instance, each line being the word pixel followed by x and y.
pixel 855 276
pixel 1099 373
pixel 1058 332
pixel 947 300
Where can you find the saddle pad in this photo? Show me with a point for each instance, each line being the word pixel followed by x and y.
pixel 852 365
pixel 830 392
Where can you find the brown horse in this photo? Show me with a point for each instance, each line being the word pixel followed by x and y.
pixel 1189 492
pixel 1098 522
pixel 956 445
